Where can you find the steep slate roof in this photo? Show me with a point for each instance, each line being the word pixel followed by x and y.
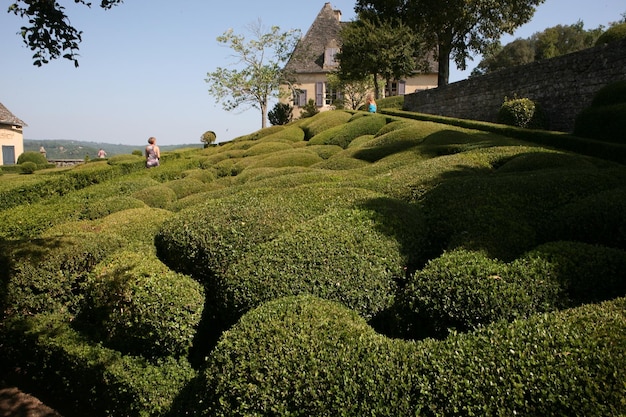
pixel 8 118
pixel 308 56
pixel 309 53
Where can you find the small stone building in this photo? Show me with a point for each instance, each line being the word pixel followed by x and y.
pixel 11 137
pixel 314 58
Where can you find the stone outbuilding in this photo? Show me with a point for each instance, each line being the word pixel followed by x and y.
pixel 11 137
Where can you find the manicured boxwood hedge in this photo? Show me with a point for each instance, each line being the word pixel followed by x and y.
pixel 85 378
pixel 409 212
pixel 46 275
pixel 302 356
pixel 343 134
pixel 136 305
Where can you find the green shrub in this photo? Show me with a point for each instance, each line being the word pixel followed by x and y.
pixel 369 124
pixel 129 225
pixel 391 102
pixel 31 156
pixel 302 356
pixel 86 378
pixel 605 118
pixel 540 158
pixel 340 162
pixel 359 269
pixel 325 151
pixel 597 218
pixel 612 34
pixel 323 121
pixel 522 112
pixel 461 290
pixel 266 147
pixel 186 186
pixel 103 207
pixel 288 158
pixel 136 305
pixel 612 93
pixel 587 273
pixel 289 134
pixel 28 167
pixel 607 123
pixel 46 275
pixel 507 215
pixel 563 364
pixel 205 239
pixel 226 168
pixel 158 196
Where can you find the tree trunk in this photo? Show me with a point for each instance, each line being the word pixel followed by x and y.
pixel 376 88
pixel 444 65
pixel 263 115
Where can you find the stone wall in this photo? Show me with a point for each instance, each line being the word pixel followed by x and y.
pixel 563 86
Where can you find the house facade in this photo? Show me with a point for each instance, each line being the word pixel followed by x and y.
pixel 314 58
pixel 11 137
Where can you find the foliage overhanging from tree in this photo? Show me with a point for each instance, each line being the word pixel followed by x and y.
pixel 551 42
pixel 455 28
pixel 49 32
pixel 378 48
pixel 258 68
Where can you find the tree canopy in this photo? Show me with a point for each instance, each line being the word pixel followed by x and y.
pixel 454 28
pixel 551 42
pixel 49 32
pixel 258 68
pixel 378 49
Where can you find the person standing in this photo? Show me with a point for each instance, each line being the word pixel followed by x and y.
pixel 102 153
pixel 371 104
pixel 153 153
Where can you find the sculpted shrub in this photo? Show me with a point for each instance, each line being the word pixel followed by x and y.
pixel 136 305
pixel 522 112
pixel 463 289
pixel 47 275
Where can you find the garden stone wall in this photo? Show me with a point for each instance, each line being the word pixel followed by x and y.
pixel 563 86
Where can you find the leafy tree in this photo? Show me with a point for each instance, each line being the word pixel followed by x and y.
pixel 50 35
pixel 259 74
pixel 455 28
pixel 564 39
pixel 518 52
pixel 554 41
pixel 309 110
pixel 353 91
pixel 281 114
pixel 208 138
pixel 378 49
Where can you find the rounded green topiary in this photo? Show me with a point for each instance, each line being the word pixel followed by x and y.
pixel 464 289
pixel 34 157
pixel 522 112
pixel 612 93
pixel 136 305
pixel 28 167
pixel 612 34
pixel 158 196
pixel 605 118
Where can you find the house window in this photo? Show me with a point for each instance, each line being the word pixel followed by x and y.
pixel 331 95
pixel 329 57
pixel 299 98
pixel 396 88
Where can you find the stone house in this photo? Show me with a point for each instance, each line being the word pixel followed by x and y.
pixel 11 137
pixel 314 57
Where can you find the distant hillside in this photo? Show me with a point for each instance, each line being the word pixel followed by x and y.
pixel 74 149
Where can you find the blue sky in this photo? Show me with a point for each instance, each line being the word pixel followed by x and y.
pixel 144 62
